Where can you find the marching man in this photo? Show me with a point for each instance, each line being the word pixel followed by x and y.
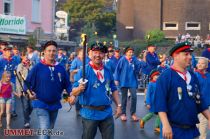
pixel 178 99
pixel 94 96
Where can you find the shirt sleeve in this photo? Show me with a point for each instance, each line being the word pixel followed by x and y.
pixel 67 83
pixel 152 61
pixel 31 79
pixel 148 94
pixel 77 77
pixel 160 96
pixel 118 70
pixel 73 65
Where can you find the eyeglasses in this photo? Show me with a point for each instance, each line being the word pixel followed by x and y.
pixel 110 51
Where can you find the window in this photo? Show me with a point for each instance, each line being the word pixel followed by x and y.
pixel 170 26
pixel 8 7
pixel 192 26
pixel 36 11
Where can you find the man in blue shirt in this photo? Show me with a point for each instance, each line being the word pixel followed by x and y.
pixel 177 97
pixel 48 79
pixel 94 96
pixel 61 58
pixel 125 76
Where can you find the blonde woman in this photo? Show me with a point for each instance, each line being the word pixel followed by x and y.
pixel 6 90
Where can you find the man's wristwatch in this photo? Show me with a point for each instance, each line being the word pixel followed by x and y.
pixel 119 105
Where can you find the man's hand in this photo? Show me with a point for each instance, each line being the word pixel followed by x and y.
pixel 167 132
pixel 148 107
pixel 32 95
pixel 81 87
pixel 72 100
pixel 118 112
pixel 116 83
pixel 76 91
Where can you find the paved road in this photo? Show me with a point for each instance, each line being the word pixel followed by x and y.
pixel 71 125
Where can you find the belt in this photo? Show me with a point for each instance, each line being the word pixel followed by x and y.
pixel 99 108
pixel 181 126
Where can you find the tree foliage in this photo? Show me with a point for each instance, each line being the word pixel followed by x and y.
pixel 90 15
pixel 154 36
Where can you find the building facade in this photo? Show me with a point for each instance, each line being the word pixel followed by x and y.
pixel 136 17
pixel 37 17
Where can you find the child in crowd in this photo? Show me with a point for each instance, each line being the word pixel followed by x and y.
pixel 150 100
pixel 204 82
pixel 6 90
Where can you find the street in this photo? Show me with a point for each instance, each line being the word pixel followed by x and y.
pixel 71 125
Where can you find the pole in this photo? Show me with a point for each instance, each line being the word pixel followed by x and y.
pixel 84 38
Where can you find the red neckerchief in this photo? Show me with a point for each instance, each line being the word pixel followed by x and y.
pixel 208 49
pixel 50 65
pixel 152 81
pixel 8 59
pixel 162 66
pixel 202 73
pixel 98 69
pixel 183 73
pixel 129 59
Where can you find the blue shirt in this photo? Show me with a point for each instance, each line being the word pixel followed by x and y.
pixel 182 111
pixel 17 59
pixel 152 62
pixel 205 86
pixel 62 60
pixel 77 63
pixel 150 95
pixel 126 72
pixel 95 94
pixel 8 65
pixel 206 54
pixel 112 63
pixel 162 68
pixel 48 84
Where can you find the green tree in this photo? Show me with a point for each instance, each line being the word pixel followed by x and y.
pixel 154 36
pixel 90 15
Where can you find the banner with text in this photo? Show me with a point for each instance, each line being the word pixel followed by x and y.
pixel 12 24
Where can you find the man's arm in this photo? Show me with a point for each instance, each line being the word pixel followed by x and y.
pixel 117 103
pixel 206 113
pixel 166 131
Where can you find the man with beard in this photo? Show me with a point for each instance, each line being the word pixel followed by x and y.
pixel 94 96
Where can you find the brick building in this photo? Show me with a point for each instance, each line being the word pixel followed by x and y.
pixel 136 17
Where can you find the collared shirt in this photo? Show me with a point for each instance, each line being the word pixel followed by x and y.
pixel 48 83
pixel 152 62
pixel 95 93
pixel 126 72
pixel 182 110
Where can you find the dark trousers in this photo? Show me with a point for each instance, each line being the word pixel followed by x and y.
pixel 27 108
pixel 124 92
pixel 105 126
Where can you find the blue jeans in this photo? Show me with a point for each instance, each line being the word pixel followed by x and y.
pixel 13 109
pixel 46 120
pixel 27 108
pixel 124 92
pixel 106 128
